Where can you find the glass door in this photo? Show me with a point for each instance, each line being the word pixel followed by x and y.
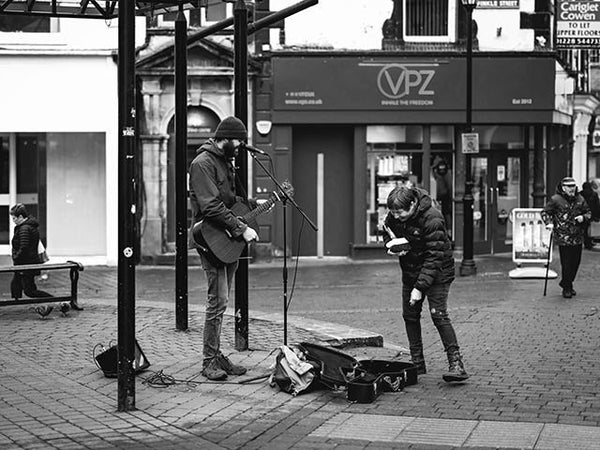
pixel 507 192
pixel 480 172
pixel 500 185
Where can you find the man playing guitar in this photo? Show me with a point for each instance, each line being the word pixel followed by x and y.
pixel 212 195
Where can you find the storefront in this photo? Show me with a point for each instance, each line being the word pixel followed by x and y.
pixel 349 128
pixel 58 142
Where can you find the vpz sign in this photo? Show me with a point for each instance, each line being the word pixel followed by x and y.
pixel 399 80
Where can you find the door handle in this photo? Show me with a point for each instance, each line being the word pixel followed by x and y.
pixel 491 196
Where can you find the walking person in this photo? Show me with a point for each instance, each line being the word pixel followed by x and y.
pixel 24 245
pixel 589 192
pixel 567 215
pixel 212 193
pixel 427 265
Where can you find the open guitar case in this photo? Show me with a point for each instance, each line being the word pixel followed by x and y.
pixel 363 380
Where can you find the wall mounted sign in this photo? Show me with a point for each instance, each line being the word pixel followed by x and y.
pixel 578 24
pixel 498 4
pixel 344 83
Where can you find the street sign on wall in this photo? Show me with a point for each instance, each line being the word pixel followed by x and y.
pixel 578 24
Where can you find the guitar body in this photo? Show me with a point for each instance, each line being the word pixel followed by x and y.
pixel 225 248
pixel 218 243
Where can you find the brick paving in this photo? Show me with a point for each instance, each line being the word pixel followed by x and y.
pixel 534 362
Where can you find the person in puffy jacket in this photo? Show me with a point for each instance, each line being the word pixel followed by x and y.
pixel 567 214
pixel 212 186
pixel 25 251
pixel 427 265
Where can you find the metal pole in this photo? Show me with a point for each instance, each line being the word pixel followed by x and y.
pixel 280 15
pixel 181 245
pixel 126 208
pixel 240 33
pixel 467 265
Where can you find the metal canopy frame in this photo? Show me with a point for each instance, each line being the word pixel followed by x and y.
pixel 90 9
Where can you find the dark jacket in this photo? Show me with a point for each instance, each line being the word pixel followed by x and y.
pixel 212 189
pixel 561 211
pixel 591 198
pixel 25 242
pixel 430 259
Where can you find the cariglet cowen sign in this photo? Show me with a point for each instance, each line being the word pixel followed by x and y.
pixel 578 24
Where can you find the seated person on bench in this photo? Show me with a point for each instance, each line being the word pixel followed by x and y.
pixel 25 251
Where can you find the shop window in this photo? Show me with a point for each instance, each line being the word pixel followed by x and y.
pixel 429 20
pixel 389 166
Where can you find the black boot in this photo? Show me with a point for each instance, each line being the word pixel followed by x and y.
pixel 419 361
pixel 456 370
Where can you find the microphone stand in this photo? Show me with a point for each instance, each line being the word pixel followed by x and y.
pixel 284 199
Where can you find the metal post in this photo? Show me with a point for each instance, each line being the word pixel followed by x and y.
pixel 467 265
pixel 181 244
pixel 240 36
pixel 126 208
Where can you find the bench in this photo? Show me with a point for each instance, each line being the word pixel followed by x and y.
pixel 74 268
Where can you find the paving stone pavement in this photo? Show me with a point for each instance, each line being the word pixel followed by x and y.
pixel 52 395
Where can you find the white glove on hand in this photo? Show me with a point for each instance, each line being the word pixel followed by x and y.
pixel 415 296
pixel 250 235
pixel 549 227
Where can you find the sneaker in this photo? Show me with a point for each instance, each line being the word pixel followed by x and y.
pixel 229 367
pixel 573 293
pixel 213 371
pixel 567 293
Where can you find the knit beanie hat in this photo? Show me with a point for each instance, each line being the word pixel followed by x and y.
pixel 568 181
pixel 231 128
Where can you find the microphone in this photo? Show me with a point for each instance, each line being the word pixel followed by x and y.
pixel 251 149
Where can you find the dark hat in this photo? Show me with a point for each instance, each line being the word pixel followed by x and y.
pixel 231 128
pixel 568 181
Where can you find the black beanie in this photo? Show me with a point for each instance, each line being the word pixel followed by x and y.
pixel 231 128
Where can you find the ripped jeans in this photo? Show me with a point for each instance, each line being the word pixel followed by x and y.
pixel 437 298
pixel 219 279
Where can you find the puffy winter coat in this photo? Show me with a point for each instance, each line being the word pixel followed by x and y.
pixel 561 211
pixel 212 189
pixel 430 259
pixel 25 242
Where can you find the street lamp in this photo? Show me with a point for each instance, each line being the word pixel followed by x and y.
pixel 467 265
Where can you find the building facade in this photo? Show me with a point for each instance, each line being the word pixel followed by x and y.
pixel 58 133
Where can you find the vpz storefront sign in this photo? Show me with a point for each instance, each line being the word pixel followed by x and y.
pixel 578 24
pixel 410 84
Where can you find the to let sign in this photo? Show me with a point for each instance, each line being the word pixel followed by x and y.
pixel 578 24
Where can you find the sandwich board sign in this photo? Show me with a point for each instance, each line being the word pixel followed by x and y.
pixel 531 244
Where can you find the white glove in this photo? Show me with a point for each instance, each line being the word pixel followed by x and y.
pixel 250 235
pixel 549 226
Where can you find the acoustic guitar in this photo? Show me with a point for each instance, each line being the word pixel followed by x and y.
pixel 220 242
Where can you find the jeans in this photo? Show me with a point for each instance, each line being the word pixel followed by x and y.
pixel 437 297
pixel 570 258
pixel 219 279
pixel 25 282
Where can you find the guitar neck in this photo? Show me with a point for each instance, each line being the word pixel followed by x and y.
pixel 264 207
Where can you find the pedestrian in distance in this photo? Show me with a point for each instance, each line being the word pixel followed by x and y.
pixel 24 246
pixel 416 232
pixel 213 191
pixel 589 192
pixel 567 215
